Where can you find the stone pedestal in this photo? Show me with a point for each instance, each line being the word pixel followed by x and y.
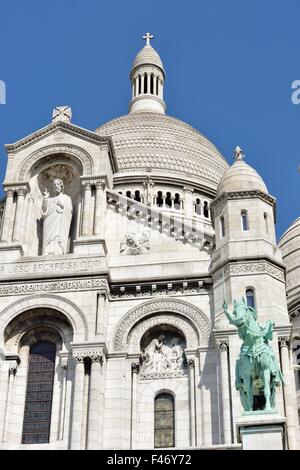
pixel 11 251
pixel 261 431
pixel 90 245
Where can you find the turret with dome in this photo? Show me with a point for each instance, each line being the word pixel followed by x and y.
pixel 150 144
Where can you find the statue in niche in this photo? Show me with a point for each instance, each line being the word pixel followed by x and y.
pixel 57 216
pixel 163 355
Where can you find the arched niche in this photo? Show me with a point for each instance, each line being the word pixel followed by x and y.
pixel 42 175
pixel 37 324
pixel 177 313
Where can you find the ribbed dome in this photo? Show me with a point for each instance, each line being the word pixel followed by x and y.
pixel 289 244
pixel 147 56
pixel 241 177
pixel 165 145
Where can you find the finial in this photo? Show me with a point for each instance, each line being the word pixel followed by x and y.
pixel 148 36
pixel 239 155
pixel 62 113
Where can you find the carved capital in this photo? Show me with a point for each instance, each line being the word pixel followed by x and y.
pixel 96 356
pixel 283 342
pixel 86 185
pixel 135 367
pixel 9 192
pixel 223 346
pixel 12 370
pixel 21 191
pixel 188 190
pixel 191 363
pixel 100 185
pixel 79 357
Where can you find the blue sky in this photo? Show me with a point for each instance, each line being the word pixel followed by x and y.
pixel 229 64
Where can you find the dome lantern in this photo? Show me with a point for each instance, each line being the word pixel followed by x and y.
pixel 147 77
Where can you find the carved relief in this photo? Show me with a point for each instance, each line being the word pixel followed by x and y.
pixel 163 357
pixel 135 244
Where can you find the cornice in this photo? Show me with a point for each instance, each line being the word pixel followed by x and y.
pixel 246 195
pixel 66 127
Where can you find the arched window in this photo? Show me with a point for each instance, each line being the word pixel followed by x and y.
pixel 137 196
pixel 245 223
pixel 164 421
pixel 145 83
pixel 222 226
pixel 198 206
pixel 205 209
pixel 128 194
pixel 159 200
pixel 152 84
pixel 168 200
pixel 140 85
pixel 157 79
pixel 250 297
pixel 38 402
pixel 266 222
pixel 177 201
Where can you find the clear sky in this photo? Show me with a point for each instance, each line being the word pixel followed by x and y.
pixel 229 65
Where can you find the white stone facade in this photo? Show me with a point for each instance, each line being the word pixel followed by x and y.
pixel 133 305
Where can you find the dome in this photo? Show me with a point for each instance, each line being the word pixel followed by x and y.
pixel 289 244
pixel 241 177
pixel 165 146
pixel 147 56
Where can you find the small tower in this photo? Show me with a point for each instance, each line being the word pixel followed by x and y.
pixel 147 77
pixel 247 261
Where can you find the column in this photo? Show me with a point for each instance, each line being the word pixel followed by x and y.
pixel 225 392
pixel 4 394
pixel 191 369
pixel 64 370
pixel 148 83
pixel 100 208
pixel 289 396
pixel 95 402
pixel 135 367
pixel 188 199
pixel 100 320
pixel 77 402
pixel 142 83
pixel 86 215
pixel 11 376
pixel 136 86
pixel 19 218
pixel 7 215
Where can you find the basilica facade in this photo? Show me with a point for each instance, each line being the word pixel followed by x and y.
pixel 118 249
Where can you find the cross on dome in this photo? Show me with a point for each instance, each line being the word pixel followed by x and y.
pixel 238 152
pixel 147 37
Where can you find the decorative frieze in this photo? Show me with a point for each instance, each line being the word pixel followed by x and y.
pixel 194 287
pixel 54 286
pixel 238 269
